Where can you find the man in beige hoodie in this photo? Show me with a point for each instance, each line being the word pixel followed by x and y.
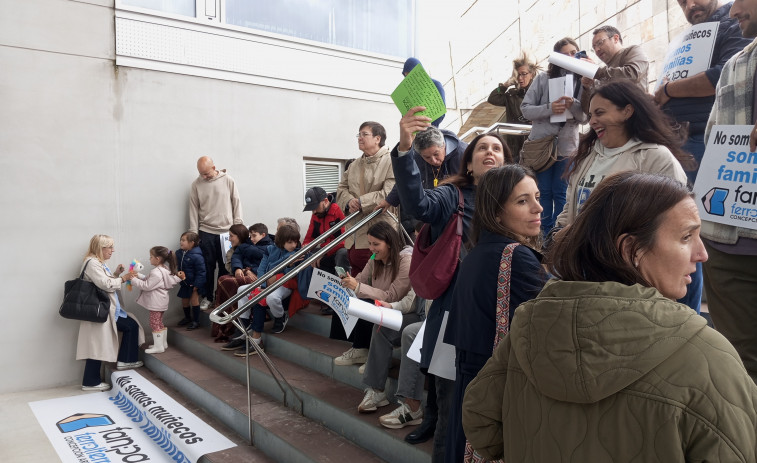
pixel 214 206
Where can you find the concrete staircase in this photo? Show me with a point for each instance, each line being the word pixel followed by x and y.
pixel 325 428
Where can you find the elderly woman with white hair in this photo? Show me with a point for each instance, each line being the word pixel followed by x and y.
pixel 98 342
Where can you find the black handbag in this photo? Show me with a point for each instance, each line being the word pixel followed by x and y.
pixel 83 300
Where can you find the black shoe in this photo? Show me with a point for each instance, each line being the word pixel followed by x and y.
pixel 193 326
pixel 234 345
pixel 326 310
pixel 185 321
pixel 280 323
pixel 422 433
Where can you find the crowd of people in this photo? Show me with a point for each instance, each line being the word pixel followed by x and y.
pixel 602 253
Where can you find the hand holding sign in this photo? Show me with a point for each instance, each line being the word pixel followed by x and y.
pixel 417 89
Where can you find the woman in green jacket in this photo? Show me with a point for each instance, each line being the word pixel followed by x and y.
pixel 604 365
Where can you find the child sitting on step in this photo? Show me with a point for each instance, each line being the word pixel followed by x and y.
pixel 287 241
pixel 154 295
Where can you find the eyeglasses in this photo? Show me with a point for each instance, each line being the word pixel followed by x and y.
pixel 594 46
pixel 364 134
pixel 524 74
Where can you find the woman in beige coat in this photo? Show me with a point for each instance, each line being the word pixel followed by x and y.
pixel 99 342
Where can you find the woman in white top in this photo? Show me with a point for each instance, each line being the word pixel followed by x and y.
pixel 628 132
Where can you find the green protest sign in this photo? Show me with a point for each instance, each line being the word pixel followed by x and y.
pixel 417 89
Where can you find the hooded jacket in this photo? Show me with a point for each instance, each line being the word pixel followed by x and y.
pixel 648 158
pixel 610 372
pixel 154 295
pixel 214 204
pixel 320 224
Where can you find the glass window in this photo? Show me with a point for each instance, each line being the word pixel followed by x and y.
pixel 181 7
pixel 379 26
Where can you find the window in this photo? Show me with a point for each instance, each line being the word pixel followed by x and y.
pixel 180 7
pixel 325 174
pixel 379 26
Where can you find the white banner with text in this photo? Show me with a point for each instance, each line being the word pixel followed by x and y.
pixel 133 422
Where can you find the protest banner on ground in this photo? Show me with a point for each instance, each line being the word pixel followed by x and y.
pixel 726 186
pixel 133 422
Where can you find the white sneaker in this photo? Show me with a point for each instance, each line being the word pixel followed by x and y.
pixel 99 387
pixel 128 365
pixel 205 303
pixel 401 417
pixel 373 399
pixel 361 370
pixel 352 356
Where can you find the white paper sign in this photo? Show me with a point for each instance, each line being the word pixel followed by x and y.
pixel 134 422
pixel 689 53
pixel 414 353
pixel 726 186
pixel 558 88
pixel 327 287
pixel 225 245
pixel 443 361
pixel 578 66
pixel 383 316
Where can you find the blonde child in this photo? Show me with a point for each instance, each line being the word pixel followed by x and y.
pixel 154 295
pixel 192 271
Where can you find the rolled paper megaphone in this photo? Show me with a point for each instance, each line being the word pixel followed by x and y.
pixel 382 316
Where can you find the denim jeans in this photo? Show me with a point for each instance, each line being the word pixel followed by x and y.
pixel 383 343
pixel 552 188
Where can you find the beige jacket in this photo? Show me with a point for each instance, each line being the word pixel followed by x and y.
pixel 99 341
pixel 384 288
pixel 648 158
pixel 369 179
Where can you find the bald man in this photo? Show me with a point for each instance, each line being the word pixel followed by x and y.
pixel 214 206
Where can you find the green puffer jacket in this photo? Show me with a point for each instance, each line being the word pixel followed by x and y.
pixel 604 372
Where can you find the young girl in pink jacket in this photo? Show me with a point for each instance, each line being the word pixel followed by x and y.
pixel 154 295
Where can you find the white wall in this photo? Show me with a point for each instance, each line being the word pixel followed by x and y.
pixel 87 147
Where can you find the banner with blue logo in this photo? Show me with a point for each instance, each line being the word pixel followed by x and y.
pixel 726 186
pixel 133 422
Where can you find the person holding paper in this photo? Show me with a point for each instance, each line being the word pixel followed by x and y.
pixel 436 207
pixel 604 365
pixel 411 63
pixel 501 272
pixel 731 272
pixel 385 278
pixel 541 102
pixel 620 62
pixel 437 154
pixel 689 100
pixel 510 95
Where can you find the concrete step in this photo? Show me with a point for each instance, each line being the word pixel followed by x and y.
pixel 242 453
pixel 330 393
pixel 279 433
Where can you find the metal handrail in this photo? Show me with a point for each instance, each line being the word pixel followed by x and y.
pixel 226 318
pixel 222 320
pixel 506 127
